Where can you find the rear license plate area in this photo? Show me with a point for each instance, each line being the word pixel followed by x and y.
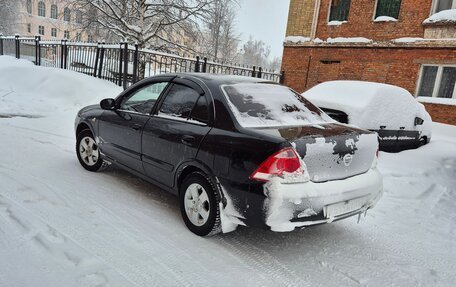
pixel 341 208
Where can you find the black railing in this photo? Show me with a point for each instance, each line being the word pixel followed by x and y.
pixel 122 63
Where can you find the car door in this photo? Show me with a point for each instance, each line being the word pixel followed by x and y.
pixel 121 129
pixel 175 131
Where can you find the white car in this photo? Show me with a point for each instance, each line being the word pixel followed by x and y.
pixel 399 119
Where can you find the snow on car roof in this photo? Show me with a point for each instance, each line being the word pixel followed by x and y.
pixel 367 104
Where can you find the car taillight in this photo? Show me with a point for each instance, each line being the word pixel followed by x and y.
pixel 283 162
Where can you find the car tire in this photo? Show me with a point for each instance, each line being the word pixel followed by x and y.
pixel 89 155
pixel 199 203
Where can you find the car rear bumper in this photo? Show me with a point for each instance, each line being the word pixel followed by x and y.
pixel 293 205
pixel 289 206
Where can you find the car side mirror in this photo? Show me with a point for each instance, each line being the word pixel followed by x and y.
pixel 108 104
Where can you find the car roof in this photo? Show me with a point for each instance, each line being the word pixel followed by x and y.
pixel 219 79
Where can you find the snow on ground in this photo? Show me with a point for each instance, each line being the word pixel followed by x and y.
pixel 63 226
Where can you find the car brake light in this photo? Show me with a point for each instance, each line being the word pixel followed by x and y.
pixel 283 162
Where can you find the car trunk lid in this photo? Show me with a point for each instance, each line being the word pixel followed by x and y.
pixel 330 151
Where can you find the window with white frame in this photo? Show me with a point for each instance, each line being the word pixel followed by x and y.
pixel 41 30
pixel 438 81
pixel 54 32
pixel 67 14
pixel 78 37
pixel 440 5
pixel 79 17
pixel 54 11
pixel 388 8
pixel 66 34
pixel 41 9
pixel 29 6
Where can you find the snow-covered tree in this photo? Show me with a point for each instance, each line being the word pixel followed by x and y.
pixel 9 13
pixel 149 23
pixel 255 52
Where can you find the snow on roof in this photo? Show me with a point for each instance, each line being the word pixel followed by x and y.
pixel 442 17
pixel 296 39
pixel 367 104
pixel 407 40
pixel 385 19
pixel 348 40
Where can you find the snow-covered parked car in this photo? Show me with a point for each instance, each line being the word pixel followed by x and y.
pixel 400 121
pixel 236 151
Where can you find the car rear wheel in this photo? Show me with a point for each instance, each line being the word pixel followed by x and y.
pixel 87 151
pixel 199 200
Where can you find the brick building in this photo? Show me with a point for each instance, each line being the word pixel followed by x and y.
pixel 408 43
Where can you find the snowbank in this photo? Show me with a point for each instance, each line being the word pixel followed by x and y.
pixel 38 91
pixel 369 105
pixel 445 16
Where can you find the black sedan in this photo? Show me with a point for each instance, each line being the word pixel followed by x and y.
pixel 236 151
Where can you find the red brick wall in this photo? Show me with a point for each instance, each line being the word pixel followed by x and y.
pixel 442 113
pixel 304 68
pixel 360 21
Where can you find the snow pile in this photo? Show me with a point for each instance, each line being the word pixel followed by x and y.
pixel 442 101
pixel 369 105
pixel 296 39
pixel 385 19
pixel 34 91
pixel 348 40
pixel 445 16
pixel 336 23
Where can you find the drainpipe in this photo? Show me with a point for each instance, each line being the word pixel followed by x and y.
pixel 313 32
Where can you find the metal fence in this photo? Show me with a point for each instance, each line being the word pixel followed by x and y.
pixel 122 63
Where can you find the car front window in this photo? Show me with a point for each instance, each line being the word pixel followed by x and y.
pixel 270 105
pixel 143 100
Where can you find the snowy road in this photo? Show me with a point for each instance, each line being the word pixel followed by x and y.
pixel 63 226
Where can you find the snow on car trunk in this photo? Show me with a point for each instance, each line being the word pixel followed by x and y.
pixel 362 100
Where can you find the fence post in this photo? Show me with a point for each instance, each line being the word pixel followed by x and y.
pixel 254 72
pixel 18 47
pixel 260 72
pixel 62 52
pixel 282 77
pixel 100 67
pixel 97 56
pixel 125 70
pixel 119 82
pixel 37 51
pixel 204 65
pixel 65 63
pixel 135 64
pixel 1 44
pixel 197 64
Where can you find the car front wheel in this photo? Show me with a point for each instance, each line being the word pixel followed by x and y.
pixel 87 151
pixel 199 199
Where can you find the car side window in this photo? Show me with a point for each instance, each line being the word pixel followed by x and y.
pixel 143 100
pixel 179 102
pixel 200 112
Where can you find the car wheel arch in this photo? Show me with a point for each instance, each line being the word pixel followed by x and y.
pixel 83 126
pixel 188 168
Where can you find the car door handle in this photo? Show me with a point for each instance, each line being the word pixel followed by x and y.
pixel 188 140
pixel 136 127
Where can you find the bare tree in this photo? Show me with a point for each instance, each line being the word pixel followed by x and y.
pixel 9 13
pixel 221 41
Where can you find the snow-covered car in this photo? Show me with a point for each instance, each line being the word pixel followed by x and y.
pixel 400 121
pixel 236 151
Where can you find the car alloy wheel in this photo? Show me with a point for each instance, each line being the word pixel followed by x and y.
pixel 197 204
pixel 87 150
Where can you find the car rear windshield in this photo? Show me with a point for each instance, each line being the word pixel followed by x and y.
pixel 270 105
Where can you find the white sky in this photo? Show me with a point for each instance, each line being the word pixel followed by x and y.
pixel 265 20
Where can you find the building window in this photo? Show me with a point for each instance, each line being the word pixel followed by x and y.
pixel 54 32
pixel 78 37
pixel 41 30
pixel 66 34
pixel 440 5
pixel 339 10
pixel 29 28
pixel 41 9
pixel 54 11
pixel 29 6
pixel 90 38
pixel 437 81
pixel 388 8
pixel 67 14
pixel 79 17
